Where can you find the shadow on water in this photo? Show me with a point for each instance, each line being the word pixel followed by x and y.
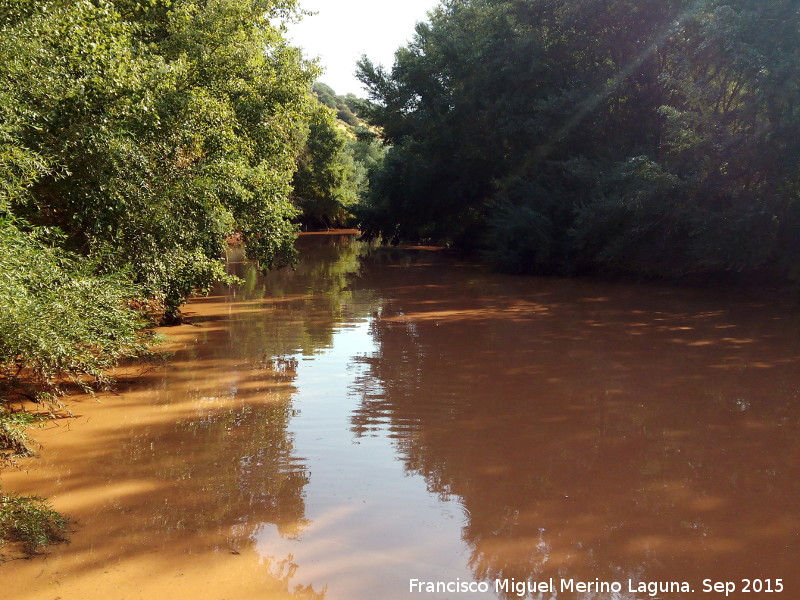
pixel 585 430
pixel 178 472
pixel 592 430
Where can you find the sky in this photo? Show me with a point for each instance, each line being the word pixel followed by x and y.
pixel 343 30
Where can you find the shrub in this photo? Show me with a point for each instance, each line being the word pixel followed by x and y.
pixel 30 521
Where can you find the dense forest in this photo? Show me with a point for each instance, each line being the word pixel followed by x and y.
pixel 648 138
pixel 656 138
pixel 136 138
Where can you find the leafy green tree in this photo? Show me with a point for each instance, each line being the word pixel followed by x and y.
pixel 164 128
pixel 649 137
pixel 63 321
pixel 493 89
pixel 326 182
pixel 135 137
pixel 337 159
pixel 344 107
pixel 325 94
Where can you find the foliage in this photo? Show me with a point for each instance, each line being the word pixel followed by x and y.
pixel 61 318
pixel 652 137
pixel 325 183
pixel 14 439
pixel 135 138
pixel 336 161
pixel 159 129
pixel 346 107
pixel 30 521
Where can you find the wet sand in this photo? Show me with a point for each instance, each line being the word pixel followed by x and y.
pixel 375 417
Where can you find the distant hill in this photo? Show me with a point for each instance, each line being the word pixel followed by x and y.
pixel 346 107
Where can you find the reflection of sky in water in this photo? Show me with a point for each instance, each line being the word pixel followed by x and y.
pixel 366 420
pixel 370 525
pixel 587 429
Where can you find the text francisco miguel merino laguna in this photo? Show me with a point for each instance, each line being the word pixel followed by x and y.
pixel 523 588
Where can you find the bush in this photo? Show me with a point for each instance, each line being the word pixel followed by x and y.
pixel 61 318
pixel 31 522
pixel 519 240
pixel 14 439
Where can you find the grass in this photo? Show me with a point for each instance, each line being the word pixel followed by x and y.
pixel 30 523
pixel 27 523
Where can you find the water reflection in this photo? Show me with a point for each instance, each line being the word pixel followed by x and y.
pixel 380 415
pixel 589 430
pixel 179 473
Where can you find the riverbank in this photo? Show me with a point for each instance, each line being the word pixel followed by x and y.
pixel 134 451
pixel 121 454
pixel 376 417
pixel 32 524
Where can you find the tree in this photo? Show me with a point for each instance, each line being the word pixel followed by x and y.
pixel 325 183
pixel 338 156
pixel 163 127
pixel 135 137
pixel 647 137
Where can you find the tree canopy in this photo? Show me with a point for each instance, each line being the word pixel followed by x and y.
pixel 651 137
pixel 149 131
pixel 135 138
pixel 334 164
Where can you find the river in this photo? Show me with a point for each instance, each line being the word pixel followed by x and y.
pixel 383 416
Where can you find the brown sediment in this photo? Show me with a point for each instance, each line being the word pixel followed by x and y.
pixel 362 421
pixel 146 519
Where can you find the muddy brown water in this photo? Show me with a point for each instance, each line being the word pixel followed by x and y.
pixel 381 416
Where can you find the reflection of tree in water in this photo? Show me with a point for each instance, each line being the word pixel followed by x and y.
pixel 283 572
pixel 296 310
pixel 301 306
pixel 589 430
pixel 232 467
pixel 244 464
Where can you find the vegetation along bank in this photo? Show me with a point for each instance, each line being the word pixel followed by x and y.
pixel 648 138
pixel 136 137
